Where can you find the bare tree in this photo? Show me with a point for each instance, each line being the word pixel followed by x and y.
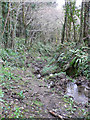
pixel 64 25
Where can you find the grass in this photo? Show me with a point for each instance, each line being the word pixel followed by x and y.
pixel 38 103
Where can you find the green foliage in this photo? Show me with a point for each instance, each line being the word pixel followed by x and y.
pixel 66 56
pixel 7 74
pixel 38 103
pixel 77 12
pixel 19 46
pixel 69 101
pixel 17 113
pixel 13 58
pixel 49 69
pixel 44 50
pixel 80 61
pixel 21 94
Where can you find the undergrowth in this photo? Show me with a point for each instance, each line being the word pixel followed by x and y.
pixel 69 59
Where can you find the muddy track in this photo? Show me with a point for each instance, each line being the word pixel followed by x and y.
pixel 39 100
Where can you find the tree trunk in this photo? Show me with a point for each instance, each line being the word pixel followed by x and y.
pixel 69 30
pixel 12 28
pixel 25 30
pixel 81 24
pixel 5 23
pixel 86 18
pixel 64 25
pixel 86 22
pixel 71 11
pixel 24 22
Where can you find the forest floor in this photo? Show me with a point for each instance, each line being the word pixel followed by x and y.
pixel 30 95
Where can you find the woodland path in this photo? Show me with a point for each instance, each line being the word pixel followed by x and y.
pixel 37 100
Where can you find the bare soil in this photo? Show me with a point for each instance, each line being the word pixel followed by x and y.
pixel 40 101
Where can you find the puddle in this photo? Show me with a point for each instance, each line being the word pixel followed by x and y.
pixel 77 92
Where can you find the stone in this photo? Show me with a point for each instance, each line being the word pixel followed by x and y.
pixel 62 76
pixel 51 85
pixel 37 70
pixel 12 102
pixel 22 108
pixel 16 100
pixel 51 75
pixel 38 76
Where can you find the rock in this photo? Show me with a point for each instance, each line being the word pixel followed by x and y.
pixel 87 88
pixel 16 103
pixel 38 76
pixel 38 57
pixel 51 85
pixel 16 100
pixel 12 102
pixel 79 83
pixel 81 88
pixel 87 106
pixel 75 106
pixel 86 92
pixel 62 76
pixel 63 80
pixel 37 70
pixel 22 108
pixel 51 75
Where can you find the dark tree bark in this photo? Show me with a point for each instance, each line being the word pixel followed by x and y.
pixel 64 25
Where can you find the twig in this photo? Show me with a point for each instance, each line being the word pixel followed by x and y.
pixel 55 115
